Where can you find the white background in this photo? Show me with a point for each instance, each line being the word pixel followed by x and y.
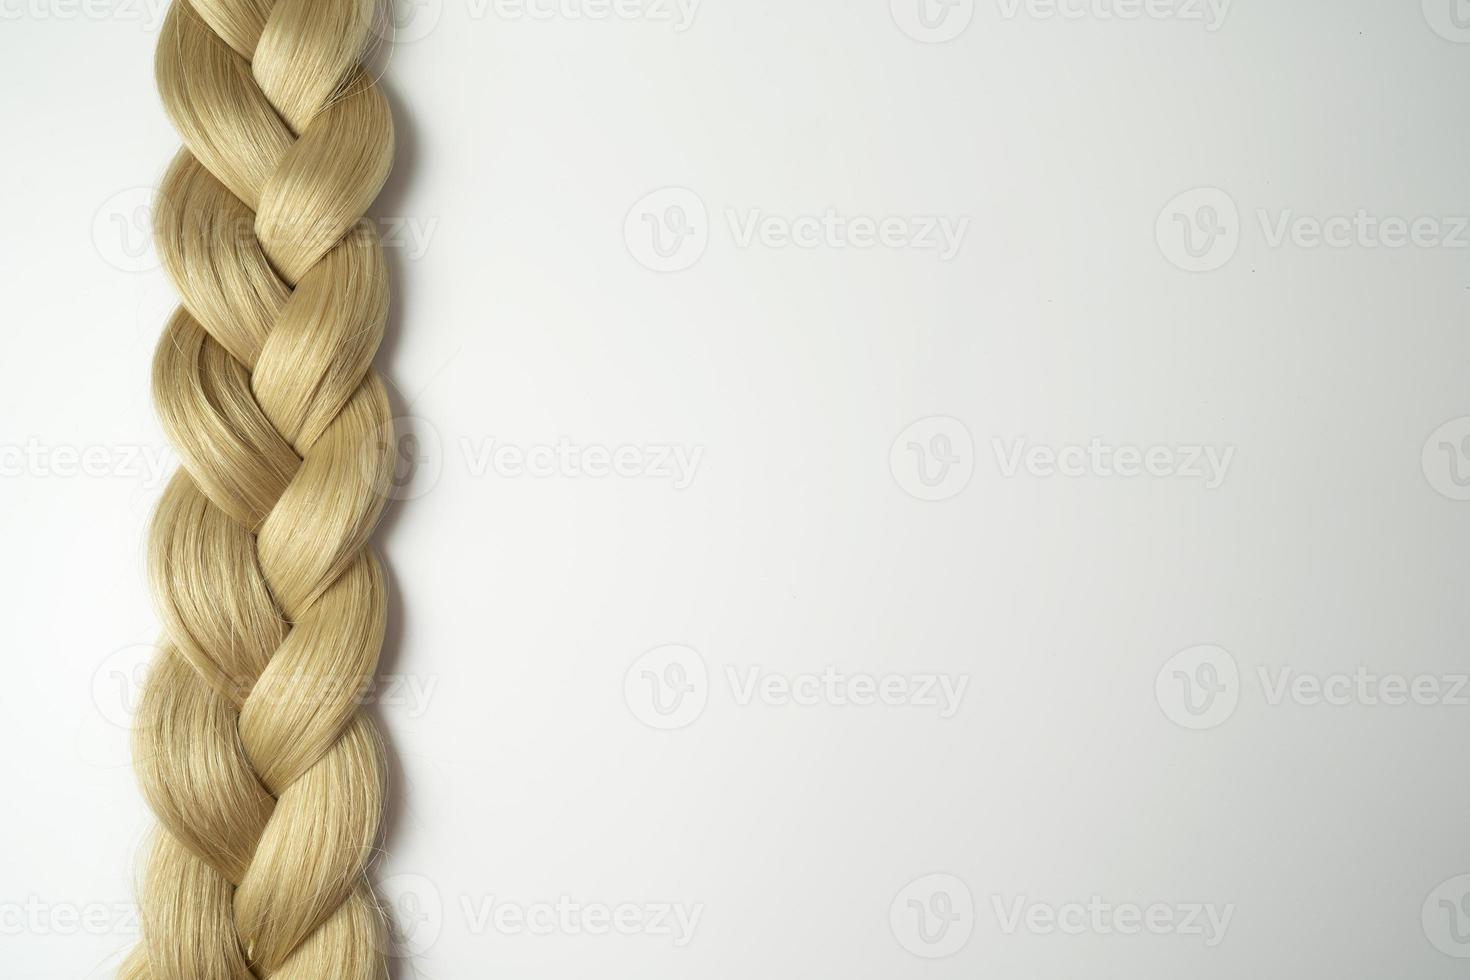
pixel 527 773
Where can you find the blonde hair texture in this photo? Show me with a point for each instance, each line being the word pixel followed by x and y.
pixel 250 746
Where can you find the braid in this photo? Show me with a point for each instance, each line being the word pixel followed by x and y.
pixel 266 778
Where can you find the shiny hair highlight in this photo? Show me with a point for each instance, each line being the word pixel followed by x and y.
pixel 251 745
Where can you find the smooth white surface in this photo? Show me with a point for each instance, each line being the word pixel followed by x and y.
pixel 526 607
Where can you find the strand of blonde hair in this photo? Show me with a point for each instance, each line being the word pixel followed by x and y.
pixel 251 746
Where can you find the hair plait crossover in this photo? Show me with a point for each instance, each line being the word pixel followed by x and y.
pixel 251 745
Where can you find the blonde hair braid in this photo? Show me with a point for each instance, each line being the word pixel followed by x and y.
pixel 251 747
